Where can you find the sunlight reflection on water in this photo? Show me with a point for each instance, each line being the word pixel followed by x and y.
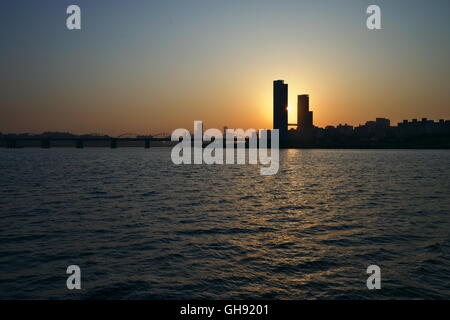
pixel 140 227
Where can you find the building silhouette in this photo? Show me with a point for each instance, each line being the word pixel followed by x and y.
pixel 378 133
pixel 304 116
pixel 280 108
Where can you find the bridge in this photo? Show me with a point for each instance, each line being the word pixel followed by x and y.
pixel 80 141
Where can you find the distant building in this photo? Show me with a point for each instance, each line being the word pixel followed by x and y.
pixel 382 123
pixel 304 116
pixel 280 108
pixel 424 126
pixel 344 129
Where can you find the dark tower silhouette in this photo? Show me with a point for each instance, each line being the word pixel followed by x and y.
pixel 280 105
pixel 304 116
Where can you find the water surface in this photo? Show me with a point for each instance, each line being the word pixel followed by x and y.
pixel 142 228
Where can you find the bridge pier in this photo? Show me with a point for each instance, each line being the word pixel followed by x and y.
pixel 11 144
pixel 147 143
pixel 45 143
pixel 80 144
pixel 113 144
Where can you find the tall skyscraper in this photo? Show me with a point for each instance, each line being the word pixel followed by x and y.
pixel 280 108
pixel 304 116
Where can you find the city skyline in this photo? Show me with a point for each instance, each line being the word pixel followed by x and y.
pixel 373 134
pixel 173 63
pixel 304 125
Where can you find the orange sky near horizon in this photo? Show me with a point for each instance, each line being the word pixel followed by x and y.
pixel 150 67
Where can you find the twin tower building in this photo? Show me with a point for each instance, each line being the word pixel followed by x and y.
pixel 280 110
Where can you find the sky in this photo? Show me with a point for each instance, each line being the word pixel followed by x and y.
pixel 153 66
